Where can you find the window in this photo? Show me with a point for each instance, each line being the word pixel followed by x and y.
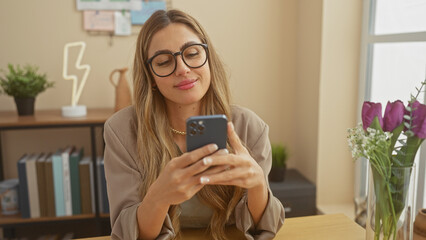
pixel 393 64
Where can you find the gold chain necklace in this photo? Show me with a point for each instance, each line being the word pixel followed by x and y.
pixel 178 132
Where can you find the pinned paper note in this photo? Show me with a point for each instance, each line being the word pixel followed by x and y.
pixel 108 5
pixel 99 20
pixel 148 8
pixel 123 25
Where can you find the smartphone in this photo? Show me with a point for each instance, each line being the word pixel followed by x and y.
pixel 204 130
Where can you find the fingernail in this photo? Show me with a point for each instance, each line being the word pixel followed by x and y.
pixel 213 147
pixel 224 151
pixel 207 160
pixel 204 180
pixel 232 125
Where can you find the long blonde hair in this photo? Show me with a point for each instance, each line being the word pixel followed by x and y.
pixel 154 138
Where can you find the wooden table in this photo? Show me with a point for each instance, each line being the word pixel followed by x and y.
pixel 319 227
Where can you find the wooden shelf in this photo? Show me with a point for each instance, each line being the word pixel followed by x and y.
pixel 104 215
pixel 52 118
pixel 17 219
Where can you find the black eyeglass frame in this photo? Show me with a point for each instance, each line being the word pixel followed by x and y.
pixel 204 45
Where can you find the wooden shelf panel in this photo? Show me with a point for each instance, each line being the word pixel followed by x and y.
pixel 17 219
pixel 104 215
pixel 49 118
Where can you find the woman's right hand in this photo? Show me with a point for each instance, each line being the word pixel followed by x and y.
pixel 178 181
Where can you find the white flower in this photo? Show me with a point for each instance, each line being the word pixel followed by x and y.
pixel 368 143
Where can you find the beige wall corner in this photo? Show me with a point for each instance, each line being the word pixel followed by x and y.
pixel 307 86
pixel 340 50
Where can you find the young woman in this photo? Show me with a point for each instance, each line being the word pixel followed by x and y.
pixel 155 187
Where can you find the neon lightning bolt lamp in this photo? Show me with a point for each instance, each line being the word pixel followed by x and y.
pixel 75 110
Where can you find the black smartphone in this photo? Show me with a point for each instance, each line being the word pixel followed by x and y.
pixel 204 130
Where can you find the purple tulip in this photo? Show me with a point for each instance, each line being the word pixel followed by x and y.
pixel 419 119
pixel 371 110
pixel 394 115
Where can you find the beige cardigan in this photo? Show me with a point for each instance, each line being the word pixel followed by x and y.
pixel 123 176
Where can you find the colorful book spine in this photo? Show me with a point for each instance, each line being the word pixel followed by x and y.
pixel 103 194
pixel 41 184
pixel 33 194
pixel 50 189
pixel 92 184
pixel 86 186
pixel 58 183
pixel 67 180
pixel 24 204
pixel 75 158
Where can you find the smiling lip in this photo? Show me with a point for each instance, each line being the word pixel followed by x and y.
pixel 186 84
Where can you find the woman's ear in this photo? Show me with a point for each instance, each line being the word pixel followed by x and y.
pixel 154 86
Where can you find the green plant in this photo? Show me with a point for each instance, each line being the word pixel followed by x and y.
pixel 390 142
pixel 24 82
pixel 279 155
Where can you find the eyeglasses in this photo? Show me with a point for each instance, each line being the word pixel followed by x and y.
pixel 164 63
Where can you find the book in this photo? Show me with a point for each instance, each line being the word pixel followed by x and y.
pixel 67 180
pixel 102 188
pixel 50 190
pixel 87 191
pixel 33 194
pixel 74 160
pixel 41 184
pixel 24 204
pixel 58 183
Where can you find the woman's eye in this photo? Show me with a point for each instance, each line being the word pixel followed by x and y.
pixel 163 60
pixel 163 63
pixel 192 54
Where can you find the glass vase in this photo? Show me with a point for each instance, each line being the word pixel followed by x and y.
pixel 391 198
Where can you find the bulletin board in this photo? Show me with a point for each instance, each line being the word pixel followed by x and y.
pixel 116 17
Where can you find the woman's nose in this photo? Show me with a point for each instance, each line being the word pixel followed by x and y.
pixel 181 67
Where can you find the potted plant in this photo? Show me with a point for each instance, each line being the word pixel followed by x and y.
pixel 279 163
pixel 24 84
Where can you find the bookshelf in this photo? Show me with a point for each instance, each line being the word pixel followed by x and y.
pixel 44 119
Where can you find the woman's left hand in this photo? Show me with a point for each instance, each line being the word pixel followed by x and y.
pixel 240 168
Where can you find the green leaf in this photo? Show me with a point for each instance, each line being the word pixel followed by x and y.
pixel 413 144
pixel 407 125
pixel 407 117
pixel 279 155
pixel 409 133
pixel 24 82
pixel 396 161
pixel 392 188
pixel 395 135
pixel 375 124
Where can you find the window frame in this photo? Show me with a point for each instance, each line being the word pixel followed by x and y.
pixel 368 39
